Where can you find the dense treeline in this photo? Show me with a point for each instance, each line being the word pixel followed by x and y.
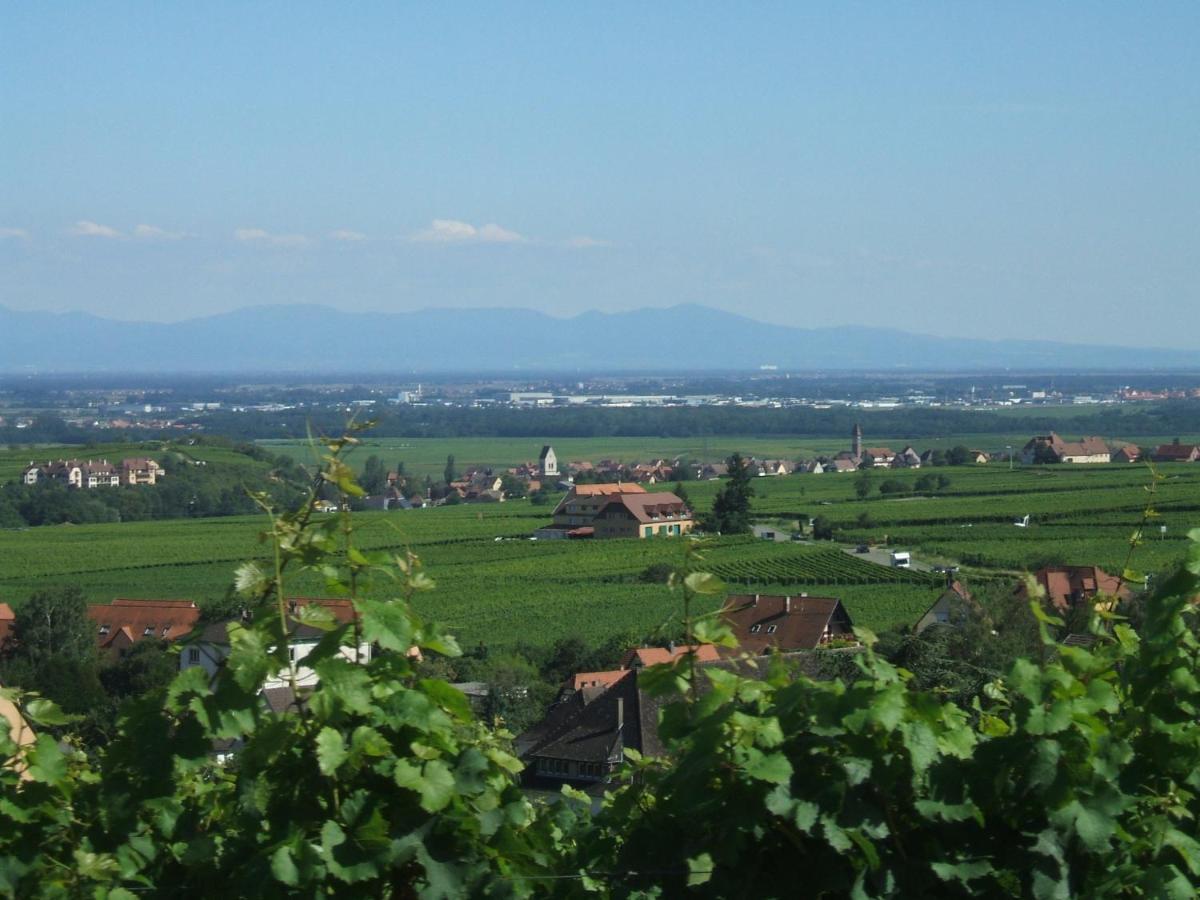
pixel 1167 418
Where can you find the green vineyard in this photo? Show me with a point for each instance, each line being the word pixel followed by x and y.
pixel 825 566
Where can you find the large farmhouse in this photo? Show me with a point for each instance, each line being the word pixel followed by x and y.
pixel 1052 448
pixel 642 516
pixel 617 509
pixel 1177 452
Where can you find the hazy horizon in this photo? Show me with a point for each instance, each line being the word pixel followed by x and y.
pixel 1017 172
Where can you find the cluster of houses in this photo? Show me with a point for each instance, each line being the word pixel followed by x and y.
pixel 92 473
pixel 1052 448
pixel 597 716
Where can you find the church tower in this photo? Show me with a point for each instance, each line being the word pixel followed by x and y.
pixel 857 446
pixel 548 463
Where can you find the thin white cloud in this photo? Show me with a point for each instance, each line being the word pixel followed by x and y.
pixel 85 228
pixel 154 233
pixel 451 231
pixel 494 234
pixel 583 242
pixel 257 235
pixel 18 234
pixel 346 234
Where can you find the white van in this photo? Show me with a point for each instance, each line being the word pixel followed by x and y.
pixel 901 559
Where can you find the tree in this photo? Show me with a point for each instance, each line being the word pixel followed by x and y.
pixel 893 486
pixel 450 473
pixel 513 487
pixel 146 666
pixel 731 507
pixel 681 492
pixel 684 470
pixel 822 529
pixel 1044 454
pixel 374 477
pixel 862 485
pixel 53 623
pixel 958 455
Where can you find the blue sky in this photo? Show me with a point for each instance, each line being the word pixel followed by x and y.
pixel 993 171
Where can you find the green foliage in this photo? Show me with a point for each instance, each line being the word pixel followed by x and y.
pixel 374 475
pixel 731 507
pixel 52 624
pixel 862 485
pixel 1074 776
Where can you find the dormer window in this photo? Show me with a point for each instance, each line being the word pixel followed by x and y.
pixel 770 629
pixel 105 629
pixel 755 629
pixel 149 631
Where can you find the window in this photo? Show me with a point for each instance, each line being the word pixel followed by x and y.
pixel 754 629
pixel 149 630
pixel 770 629
pixel 104 629
pixel 193 654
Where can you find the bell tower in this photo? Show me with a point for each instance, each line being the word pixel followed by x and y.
pixel 856 447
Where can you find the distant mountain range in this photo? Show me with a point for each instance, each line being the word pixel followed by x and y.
pixel 675 339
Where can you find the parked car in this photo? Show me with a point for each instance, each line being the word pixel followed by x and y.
pixel 862 548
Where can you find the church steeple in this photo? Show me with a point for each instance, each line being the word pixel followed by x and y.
pixel 857 446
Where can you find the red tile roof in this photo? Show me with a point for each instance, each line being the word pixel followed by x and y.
pixel 583 680
pixel 762 622
pixel 1176 453
pixel 648 507
pixel 1065 586
pixel 652 656
pixel 603 490
pixel 125 621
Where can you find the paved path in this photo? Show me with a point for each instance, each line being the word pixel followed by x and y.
pixel 883 556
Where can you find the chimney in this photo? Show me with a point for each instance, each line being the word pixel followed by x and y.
pixel 620 715
pixel 756 599
pixel 787 604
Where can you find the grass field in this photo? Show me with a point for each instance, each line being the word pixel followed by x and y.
pixel 427 456
pixel 512 589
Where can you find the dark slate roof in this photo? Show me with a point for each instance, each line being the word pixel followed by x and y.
pixel 582 725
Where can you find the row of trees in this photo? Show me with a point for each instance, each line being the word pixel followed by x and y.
pixel 697 422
